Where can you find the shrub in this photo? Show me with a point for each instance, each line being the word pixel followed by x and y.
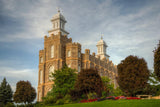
pixel 9 104
pixel 67 99
pixel 92 95
pixel 49 100
pixel 60 102
pixel 1 104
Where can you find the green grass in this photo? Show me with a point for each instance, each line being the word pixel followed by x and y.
pixel 116 103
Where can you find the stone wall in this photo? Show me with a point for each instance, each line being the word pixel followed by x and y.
pixel 66 51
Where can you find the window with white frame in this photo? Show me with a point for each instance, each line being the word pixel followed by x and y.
pixel 41 59
pixel 51 70
pixel 69 53
pixel 52 51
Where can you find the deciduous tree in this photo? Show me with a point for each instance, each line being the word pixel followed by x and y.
pixel 157 61
pixel 89 81
pixel 133 75
pixel 25 93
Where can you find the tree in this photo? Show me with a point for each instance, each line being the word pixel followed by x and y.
pixel 89 81
pixel 157 61
pixel 133 75
pixel 25 93
pixel 5 92
pixel 107 85
pixel 109 88
pixel 64 80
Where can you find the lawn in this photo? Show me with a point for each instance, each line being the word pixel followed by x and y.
pixel 116 103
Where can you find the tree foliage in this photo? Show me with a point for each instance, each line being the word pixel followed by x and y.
pixel 25 93
pixel 157 62
pixel 64 80
pixel 89 81
pixel 107 85
pixel 133 75
pixel 5 92
pixel 109 89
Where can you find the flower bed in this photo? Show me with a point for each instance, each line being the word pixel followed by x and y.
pixel 89 100
pixel 110 97
pixel 133 98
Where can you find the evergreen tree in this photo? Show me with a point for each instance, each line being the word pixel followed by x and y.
pixel 25 93
pixel 157 61
pixel 5 92
pixel 133 75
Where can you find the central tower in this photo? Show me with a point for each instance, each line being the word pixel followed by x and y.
pixel 101 49
pixel 58 22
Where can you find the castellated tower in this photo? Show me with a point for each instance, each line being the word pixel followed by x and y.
pixel 59 49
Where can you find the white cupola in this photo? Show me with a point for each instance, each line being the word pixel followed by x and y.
pixel 101 49
pixel 58 22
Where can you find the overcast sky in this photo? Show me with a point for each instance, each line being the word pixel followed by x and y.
pixel 130 27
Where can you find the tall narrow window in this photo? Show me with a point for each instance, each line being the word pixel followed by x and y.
pixel 69 65
pixel 98 50
pixel 40 76
pixel 69 53
pixel 79 54
pixel 79 68
pixel 51 70
pixel 39 96
pixel 41 59
pixel 53 25
pixel 52 51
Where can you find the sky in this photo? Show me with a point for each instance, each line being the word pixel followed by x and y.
pixel 130 27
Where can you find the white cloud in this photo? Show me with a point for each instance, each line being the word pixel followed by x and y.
pixel 14 75
pixel 135 33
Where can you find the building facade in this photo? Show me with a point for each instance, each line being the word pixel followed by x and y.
pixel 59 49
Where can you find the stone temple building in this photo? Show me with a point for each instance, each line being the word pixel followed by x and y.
pixel 59 49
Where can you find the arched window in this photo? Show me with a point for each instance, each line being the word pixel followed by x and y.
pixel 40 76
pixel 79 68
pixel 52 51
pixel 79 54
pixel 39 96
pixel 41 59
pixel 57 24
pixel 69 53
pixel 51 70
pixel 69 65
pixel 53 25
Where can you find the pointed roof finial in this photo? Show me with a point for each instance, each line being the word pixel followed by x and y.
pixel 58 9
pixel 101 36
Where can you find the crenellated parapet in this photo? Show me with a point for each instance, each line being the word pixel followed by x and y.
pixel 59 50
pixel 104 66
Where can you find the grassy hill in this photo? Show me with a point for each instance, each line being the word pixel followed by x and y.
pixel 116 103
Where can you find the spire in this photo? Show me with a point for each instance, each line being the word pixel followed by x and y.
pixel 58 10
pixel 101 36
pixel 58 21
pixel 101 48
